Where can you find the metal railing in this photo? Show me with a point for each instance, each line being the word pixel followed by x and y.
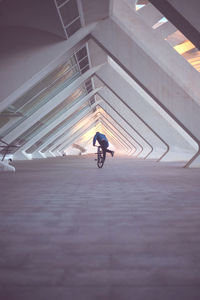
pixel 5 148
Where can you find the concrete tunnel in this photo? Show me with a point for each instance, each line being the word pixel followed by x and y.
pixel 130 70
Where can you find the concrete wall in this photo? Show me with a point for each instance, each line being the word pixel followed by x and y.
pixel 163 73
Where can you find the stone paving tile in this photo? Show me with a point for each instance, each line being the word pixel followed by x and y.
pixel 155 293
pixel 52 293
pixel 21 276
pixel 69 230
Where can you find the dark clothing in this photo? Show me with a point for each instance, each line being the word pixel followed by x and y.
pixel 104 146
pixel 103 142
pixel 99 137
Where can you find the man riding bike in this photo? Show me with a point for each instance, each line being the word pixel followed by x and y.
pixel 103 142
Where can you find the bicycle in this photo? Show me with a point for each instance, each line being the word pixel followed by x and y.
pixel 99 159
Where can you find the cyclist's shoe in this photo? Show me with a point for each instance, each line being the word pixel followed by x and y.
pixel 112 153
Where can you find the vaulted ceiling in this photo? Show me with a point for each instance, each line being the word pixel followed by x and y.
pixel 127 68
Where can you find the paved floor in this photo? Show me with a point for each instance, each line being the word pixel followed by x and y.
pixel 71 231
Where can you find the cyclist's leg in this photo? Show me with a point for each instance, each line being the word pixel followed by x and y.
pixel 103 147
pixel 107 150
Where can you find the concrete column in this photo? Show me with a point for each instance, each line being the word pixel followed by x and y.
pixel 169 72
pixel 184 15
pixel 76 119
pixel 165 30
pixel 145 150
pixel 36 64
pixel 117 135
pixel 75 136
pixel 113 139
pixel 149 14
pixel 37 154
pixel 150 113
pixel 58 120
pixel 116 141
pixel 70 129
pixel 126 134
pixel 142 130
pixel 51 104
